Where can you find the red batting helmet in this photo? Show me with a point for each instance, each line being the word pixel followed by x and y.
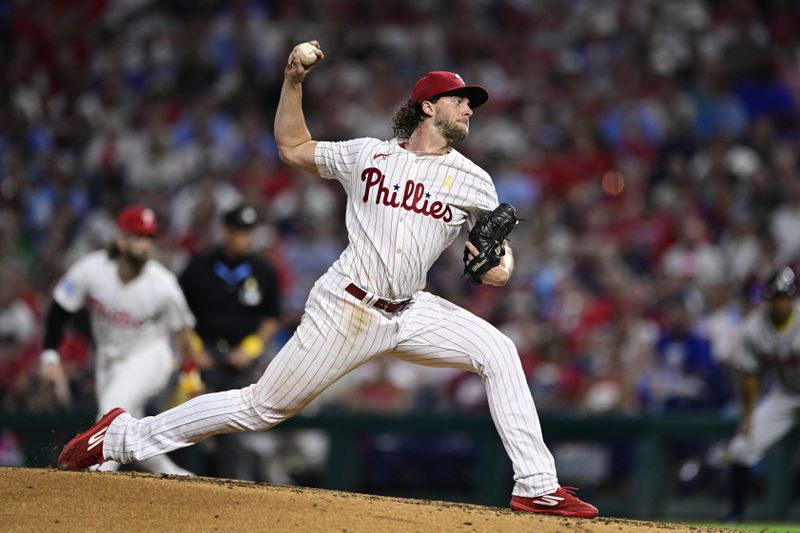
pixel 138 220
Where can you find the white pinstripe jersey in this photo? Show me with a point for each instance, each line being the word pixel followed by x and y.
pixel 124 316
pixel 763 348
pixel 403 210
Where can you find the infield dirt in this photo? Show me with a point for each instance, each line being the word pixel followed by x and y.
pixel 50 500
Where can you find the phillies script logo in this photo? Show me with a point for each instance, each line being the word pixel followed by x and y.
pixel 414 196
pixel 117 317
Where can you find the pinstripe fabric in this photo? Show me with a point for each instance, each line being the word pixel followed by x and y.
pixel 436 332
pixel 130 383
pixel 336 334
pixel 402 212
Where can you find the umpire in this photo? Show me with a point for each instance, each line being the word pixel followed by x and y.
pixel 234 296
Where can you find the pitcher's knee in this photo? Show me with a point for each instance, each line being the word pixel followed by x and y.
pixel 502 357
pixel 270 412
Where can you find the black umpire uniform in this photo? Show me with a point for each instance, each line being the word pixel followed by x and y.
pixel 234 296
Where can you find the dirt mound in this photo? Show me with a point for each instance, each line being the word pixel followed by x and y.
pixel 50 500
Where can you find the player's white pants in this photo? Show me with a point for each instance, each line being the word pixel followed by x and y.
pixel 131 382
pixel 772 418
pixel 336 335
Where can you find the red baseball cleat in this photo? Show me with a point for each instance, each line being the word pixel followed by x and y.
pixel 86 449
pixel 560 502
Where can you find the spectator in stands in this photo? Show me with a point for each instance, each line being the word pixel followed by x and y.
pixel 684 375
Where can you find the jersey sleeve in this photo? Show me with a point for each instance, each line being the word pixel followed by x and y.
pixel 337 160
pixel 72 289
pixel 486 201
pixel 177 313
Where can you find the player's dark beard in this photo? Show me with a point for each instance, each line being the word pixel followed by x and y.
pixel 136 262
pixel 450 130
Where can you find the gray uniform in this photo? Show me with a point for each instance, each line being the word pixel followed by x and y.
pixel 764 349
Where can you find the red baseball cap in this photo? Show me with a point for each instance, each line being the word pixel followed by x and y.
pixel 440 82
pixel 138 220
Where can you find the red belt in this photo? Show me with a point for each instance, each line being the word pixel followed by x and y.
pixel 381 303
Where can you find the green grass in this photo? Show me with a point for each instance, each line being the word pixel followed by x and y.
pixel 765 527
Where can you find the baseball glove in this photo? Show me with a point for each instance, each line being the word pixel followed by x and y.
pixel 488 235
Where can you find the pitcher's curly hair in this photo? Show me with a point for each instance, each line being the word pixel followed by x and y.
pixel 407 117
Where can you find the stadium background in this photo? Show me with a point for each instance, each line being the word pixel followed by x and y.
pixel 652 147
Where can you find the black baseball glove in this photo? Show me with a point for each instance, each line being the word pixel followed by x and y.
pixel 488 235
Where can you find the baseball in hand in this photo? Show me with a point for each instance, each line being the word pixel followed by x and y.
pixel 307 53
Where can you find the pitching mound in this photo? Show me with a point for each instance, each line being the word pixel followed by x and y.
pixel 49 500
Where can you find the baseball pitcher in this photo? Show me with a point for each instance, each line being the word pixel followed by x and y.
pixel 407 200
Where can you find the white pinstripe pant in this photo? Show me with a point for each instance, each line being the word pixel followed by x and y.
pixel 336 335
pixel 130 383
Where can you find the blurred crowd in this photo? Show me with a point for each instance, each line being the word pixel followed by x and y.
pixel 650 146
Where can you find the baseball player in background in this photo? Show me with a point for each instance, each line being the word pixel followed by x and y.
pixel 407 200
pixel 769 343
pixel 134 304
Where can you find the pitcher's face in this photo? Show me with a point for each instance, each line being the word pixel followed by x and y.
pixel 451 117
